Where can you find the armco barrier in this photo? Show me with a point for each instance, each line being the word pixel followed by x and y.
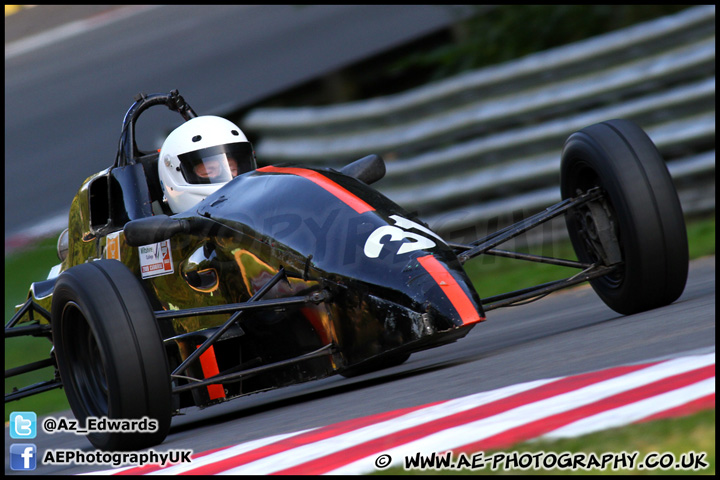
pixel 483 148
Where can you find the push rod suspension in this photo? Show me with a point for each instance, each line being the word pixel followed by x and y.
pixel 523 226
pixel 34 330
pixel 235 307
pixel 527 256
pixel 507 299
pixel 28 307
pixel 237 376
pixel 30 367
pixel 32 390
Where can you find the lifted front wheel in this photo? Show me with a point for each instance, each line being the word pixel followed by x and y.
pixel 637 225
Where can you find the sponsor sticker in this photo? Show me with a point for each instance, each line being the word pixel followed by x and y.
pixel 155 259
pixel 112 248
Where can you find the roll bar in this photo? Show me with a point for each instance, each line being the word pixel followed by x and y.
pixel 127 149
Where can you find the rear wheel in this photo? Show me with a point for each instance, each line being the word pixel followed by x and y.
pixel 638 224
pixel 110 352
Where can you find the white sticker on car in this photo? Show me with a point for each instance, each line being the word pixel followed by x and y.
pixel 155 259
pixel 373 246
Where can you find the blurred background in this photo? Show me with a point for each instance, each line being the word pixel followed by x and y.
pixel 469 105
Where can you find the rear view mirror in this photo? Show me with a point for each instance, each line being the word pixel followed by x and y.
pixel 368 169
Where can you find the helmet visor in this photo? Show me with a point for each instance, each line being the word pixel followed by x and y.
pixel 218 164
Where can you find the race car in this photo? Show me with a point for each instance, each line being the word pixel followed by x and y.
pixel 288 273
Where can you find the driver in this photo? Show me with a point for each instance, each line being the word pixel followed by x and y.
pixel 199 157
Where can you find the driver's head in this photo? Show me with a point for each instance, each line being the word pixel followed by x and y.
pixel 215 168
pixel 199 157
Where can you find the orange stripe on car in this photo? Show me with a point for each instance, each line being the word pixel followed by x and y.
pixel 210 368
pixel 360 206
pixel 457 296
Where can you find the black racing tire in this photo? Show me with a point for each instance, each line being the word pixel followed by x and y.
pixel 375 364
pixel 110 352
pixel 643 208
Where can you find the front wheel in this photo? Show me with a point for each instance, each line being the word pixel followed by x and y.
pixel 637 225
pixel 110 353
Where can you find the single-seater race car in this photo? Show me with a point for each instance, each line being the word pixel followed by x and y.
pixel 288 274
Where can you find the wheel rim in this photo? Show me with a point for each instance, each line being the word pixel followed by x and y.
pixel 587 178
pixel 85 364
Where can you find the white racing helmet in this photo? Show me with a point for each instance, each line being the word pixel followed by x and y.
pixel 199 157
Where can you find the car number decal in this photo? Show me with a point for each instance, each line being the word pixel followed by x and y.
pixel 399 231
pixel 155 259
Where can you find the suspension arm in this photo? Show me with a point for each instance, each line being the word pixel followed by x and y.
pixel 492 241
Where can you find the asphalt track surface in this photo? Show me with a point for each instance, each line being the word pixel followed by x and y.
pixel 71 73
pixel 564 334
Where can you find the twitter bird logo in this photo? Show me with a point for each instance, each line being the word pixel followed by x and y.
pixel 23 425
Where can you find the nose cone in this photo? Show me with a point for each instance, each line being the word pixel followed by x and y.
pixel 440 285
pixel 453 296
pixel 422 302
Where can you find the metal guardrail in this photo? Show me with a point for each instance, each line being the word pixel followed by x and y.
pixel 542 67
pixel 484 146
